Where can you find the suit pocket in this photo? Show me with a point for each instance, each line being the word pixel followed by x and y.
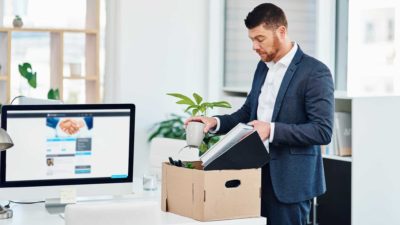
pixel 303 151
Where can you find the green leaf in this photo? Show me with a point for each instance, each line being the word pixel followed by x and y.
pixel 154 134
pixel 185 102
pixel 212 141
pixel 222 104
pixel 203 108
pixel 202 148
pixel 206 105
pixel 32 82
pixel 198 98
pixel 189 165
pixel 53 94
pixel 194 112
pixel 186 99
pixel 170 128
pixel 26 71
pixel 190 107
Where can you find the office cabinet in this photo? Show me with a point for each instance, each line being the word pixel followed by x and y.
pixel 364 189
pixel 334 207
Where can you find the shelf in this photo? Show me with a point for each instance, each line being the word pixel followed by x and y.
pixel 336 157
pixel 81 78
pixel 341 95
pixel 81 42
pixel 50 30
pixel 240 90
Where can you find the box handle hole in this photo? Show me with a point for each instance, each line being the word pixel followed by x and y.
pixel 232 183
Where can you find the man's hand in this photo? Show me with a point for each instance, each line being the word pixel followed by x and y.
pixel 210 122
pixel 263 128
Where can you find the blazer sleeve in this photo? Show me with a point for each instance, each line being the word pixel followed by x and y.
pixel 319 109
pixel 227 122
pixel 243 115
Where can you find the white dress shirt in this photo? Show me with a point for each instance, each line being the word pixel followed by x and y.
pixel 270 89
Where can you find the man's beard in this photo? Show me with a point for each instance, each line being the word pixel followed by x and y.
pixel 269 56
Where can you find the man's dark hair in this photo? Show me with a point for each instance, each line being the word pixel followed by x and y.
pixel 268 14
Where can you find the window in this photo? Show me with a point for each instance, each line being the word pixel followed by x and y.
pixel 55 37
pixel 373 48
pixel 240 60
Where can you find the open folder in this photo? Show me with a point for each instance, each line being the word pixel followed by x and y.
pixel 240 148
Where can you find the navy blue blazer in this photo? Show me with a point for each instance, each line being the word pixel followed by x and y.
pixel 303 116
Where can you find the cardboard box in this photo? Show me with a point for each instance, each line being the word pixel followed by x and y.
pixel 204 195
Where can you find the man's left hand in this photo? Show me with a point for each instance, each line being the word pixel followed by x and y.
pixel 263 128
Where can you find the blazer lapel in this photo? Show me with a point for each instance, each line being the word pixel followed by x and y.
pixel 285 82
pixel 257 89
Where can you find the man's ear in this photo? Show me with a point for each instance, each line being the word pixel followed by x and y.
pixel 281 32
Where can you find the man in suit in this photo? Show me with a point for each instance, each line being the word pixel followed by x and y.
pixel 291 105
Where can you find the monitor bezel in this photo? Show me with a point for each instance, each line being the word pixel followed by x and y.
pixel 71 181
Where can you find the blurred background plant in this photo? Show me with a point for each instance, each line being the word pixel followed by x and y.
pixel 26 72
pixel 172 127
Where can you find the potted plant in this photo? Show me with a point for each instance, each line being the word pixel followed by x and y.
pixel 197 107
pixel 173 129
pixel 17 22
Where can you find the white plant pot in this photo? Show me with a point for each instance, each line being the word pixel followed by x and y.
pixel 75 69
pixel 195 134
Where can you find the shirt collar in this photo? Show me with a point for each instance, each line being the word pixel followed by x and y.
pixel 287 59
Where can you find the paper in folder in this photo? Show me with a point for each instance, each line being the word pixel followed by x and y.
pixel 240 148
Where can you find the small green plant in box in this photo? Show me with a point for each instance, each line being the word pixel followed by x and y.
pixel 195 136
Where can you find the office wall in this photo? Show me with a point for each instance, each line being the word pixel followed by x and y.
pixel 157 47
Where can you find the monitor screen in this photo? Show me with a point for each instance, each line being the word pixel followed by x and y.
pixel 68 144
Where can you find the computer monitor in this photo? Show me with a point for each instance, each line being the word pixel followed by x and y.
pixel 88 147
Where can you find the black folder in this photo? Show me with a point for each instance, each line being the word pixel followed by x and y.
pixel 248 153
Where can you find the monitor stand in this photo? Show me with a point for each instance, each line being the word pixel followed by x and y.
pixel 54 205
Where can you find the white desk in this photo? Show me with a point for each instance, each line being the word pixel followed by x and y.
pixel 138 212
pixel 37 214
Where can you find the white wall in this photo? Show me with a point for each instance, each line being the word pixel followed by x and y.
pixel 159 47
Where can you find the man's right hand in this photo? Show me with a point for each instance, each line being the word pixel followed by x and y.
pixel 210 122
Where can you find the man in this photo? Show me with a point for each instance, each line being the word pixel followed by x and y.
pixel 291 106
